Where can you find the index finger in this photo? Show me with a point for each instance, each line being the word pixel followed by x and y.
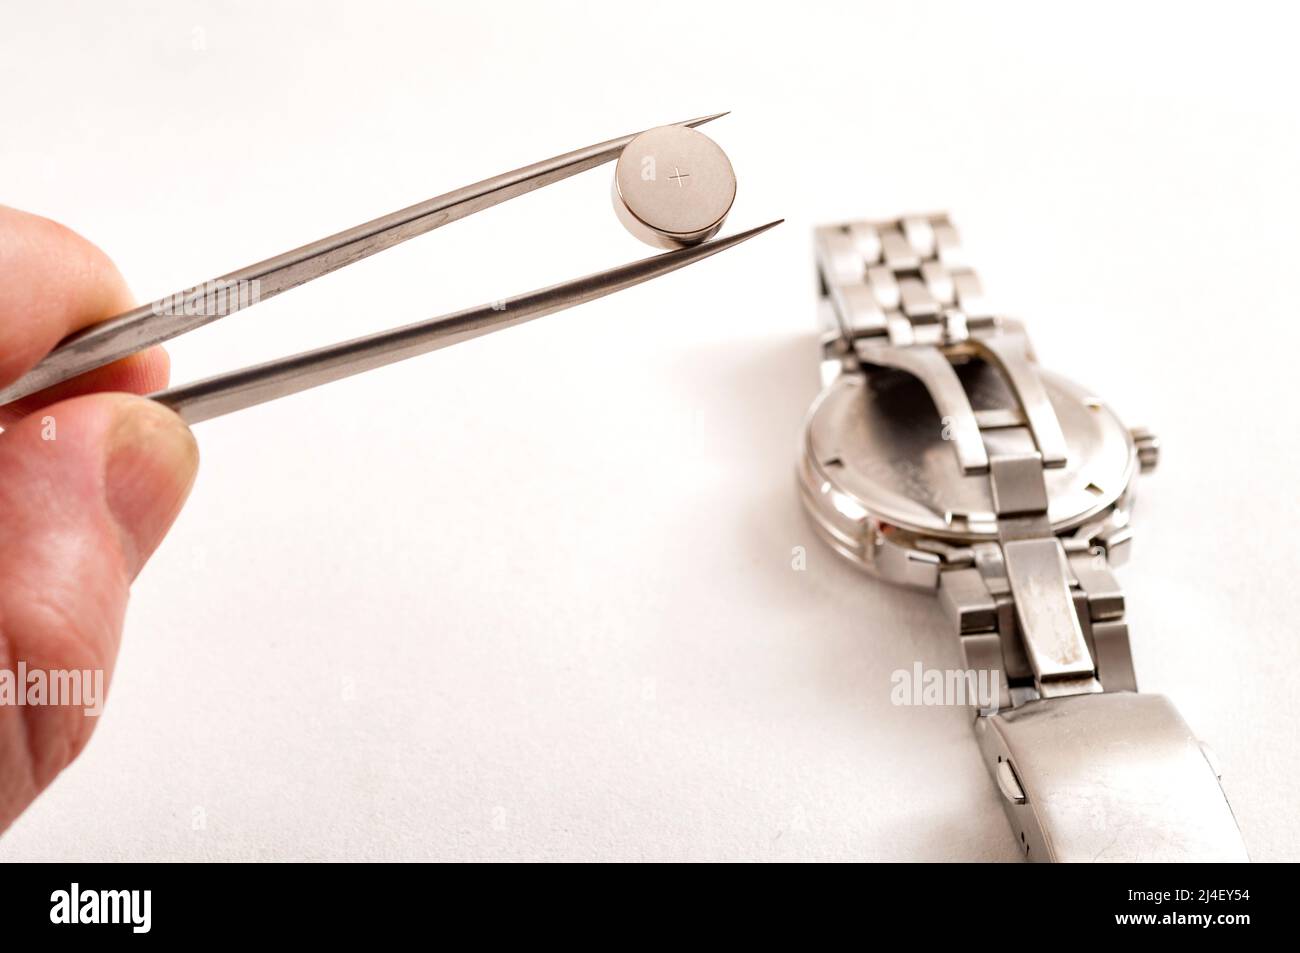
pixel 54 282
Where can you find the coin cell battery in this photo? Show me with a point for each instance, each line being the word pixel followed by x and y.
pixel 673 187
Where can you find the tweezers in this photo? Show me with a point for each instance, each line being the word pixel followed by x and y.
pixel 152 324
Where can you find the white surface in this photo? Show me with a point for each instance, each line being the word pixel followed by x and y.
pixel 531 598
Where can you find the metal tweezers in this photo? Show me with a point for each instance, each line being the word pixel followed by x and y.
pixel 145 326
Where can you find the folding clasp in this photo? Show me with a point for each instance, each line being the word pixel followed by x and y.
pixel 1116 777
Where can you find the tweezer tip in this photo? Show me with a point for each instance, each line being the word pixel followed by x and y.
pixel 703 119
pixel 756 230
pixel 693 253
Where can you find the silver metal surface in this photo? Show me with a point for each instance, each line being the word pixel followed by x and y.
pixel 940 456
pixel 879 442
pixel 148 324
pixel 936 373
pixel 1050 630
pixel 673 187
pixel 1009 784
pixel 1148 448
pixel 1116 777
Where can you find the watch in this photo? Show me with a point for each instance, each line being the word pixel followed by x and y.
pixel 941 456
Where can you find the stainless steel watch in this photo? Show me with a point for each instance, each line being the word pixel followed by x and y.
pixel 941 456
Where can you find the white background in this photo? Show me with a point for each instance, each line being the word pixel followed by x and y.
pixel 531 598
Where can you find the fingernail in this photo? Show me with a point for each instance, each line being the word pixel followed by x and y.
pixel 150 466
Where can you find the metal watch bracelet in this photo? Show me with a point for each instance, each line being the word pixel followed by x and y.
pixel 1087 767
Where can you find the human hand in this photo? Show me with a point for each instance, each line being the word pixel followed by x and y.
pixel 89 484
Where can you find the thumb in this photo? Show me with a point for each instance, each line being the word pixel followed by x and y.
pixel 88 488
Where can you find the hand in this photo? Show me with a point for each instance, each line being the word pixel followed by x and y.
pixel 88 487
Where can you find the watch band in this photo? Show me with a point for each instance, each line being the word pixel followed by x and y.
pixel 1088 769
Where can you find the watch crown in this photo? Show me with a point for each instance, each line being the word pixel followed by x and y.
pixel 1148 448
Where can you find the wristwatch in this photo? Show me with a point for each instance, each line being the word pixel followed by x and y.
pixel 941 456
